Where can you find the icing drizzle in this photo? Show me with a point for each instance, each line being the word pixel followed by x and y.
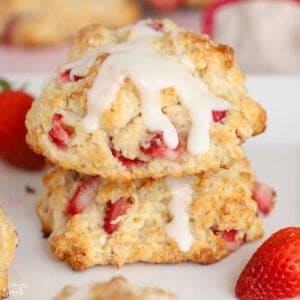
pixel 150 72
pixel 179 227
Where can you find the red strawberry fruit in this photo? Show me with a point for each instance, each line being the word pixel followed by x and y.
pixel 113 211
pixel 219 115
pixel 155 146
pixel 60 133
pixel 84 195
pixel 273 272
pixel 264 195
pixel 231 237
pixel 164 5
pixel 127 162
pixel 13 148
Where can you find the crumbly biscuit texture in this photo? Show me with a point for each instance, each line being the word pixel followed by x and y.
pixel 44 22
pixel 8 243
pixel 131 221
pixel 116 289
pixel 122 148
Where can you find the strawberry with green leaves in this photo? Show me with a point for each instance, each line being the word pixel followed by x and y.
pixel 13 148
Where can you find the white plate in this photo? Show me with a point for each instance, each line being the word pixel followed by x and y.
pixel 35 274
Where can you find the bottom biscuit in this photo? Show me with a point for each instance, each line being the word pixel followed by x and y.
pixel 200 218
pixel 117 289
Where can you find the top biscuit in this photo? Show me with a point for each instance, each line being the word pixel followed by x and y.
pixel 34 23
pixel 149 100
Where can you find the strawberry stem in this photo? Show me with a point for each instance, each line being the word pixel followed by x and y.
pixel 4 85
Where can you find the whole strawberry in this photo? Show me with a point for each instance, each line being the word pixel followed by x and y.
pixel 273 272
pixel 13 148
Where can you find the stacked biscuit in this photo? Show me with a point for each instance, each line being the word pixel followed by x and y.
pixel 145 126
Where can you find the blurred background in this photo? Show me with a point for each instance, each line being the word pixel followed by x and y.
pixel 35 34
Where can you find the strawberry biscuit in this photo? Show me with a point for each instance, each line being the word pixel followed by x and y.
pixel 44 22
pixel 198 218
pixel 149 100
pixel 8 243
pixel 117 289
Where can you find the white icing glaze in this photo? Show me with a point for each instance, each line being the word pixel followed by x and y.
pixel 102 239
pixel 48 79
pixel 78 67
pixel 140 33
pixel 179 228
pixel 150 72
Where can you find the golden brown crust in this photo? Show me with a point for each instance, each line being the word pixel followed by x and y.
pixel 221 202
pixel 122 127
pixel 8 243
pixel 117 288
pixel 43 22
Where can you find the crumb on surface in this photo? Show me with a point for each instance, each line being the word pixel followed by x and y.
pixel 29 189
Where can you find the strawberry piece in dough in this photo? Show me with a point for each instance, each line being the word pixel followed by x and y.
pixel 230 236
pixel 273 272
pixel 113 211
pixel 155 146
pixel 127 162
pixel 84 195
pixel 157 26
pixel 65 77
pixel 264 195
pixel 240 138
pixel 59 133
pixel 219 115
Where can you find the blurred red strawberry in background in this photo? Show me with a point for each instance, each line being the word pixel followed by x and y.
pixel 165 5
pixel 13 148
